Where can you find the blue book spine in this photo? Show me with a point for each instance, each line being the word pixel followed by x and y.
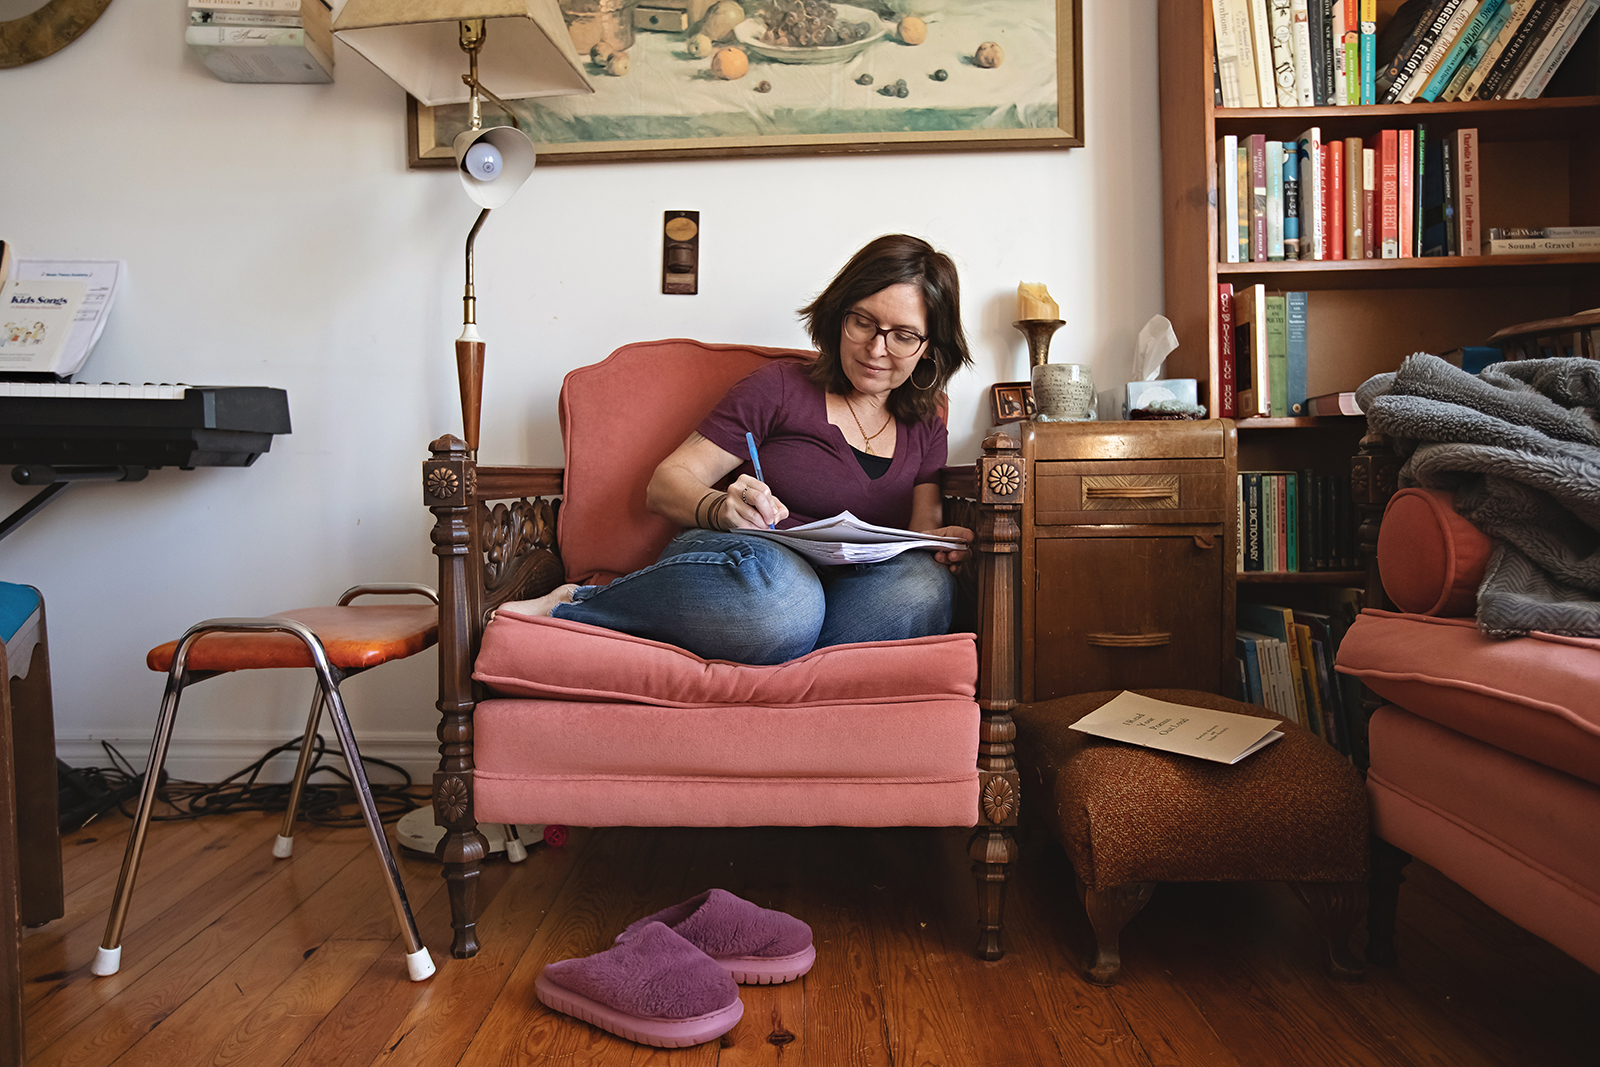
pixel 1245 649
pixel 1464 44
pixel 1295 351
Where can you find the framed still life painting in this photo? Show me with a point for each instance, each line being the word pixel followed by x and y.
pixel 811 77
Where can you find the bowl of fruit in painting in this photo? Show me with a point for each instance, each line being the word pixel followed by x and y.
pixel 809 31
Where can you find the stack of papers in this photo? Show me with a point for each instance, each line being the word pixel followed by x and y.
pixel 846 539
pixel 1222 736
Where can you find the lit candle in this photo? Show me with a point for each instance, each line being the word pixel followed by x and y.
pixel 1033 302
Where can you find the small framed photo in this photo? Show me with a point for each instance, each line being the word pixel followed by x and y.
pixel 1011 401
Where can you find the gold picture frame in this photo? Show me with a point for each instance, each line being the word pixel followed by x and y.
pixel 670 106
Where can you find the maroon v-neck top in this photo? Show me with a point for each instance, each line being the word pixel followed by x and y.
pixel 806 460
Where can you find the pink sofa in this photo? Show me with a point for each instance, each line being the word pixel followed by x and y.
pixel 551 721
pixel 1485 756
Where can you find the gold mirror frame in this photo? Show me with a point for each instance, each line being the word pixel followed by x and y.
pixel 46 31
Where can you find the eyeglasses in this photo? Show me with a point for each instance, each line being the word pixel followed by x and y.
pixel 899 341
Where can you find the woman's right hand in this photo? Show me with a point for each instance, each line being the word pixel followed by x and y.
pixel 750 505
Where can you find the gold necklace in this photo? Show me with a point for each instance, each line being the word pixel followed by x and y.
pixel 866 438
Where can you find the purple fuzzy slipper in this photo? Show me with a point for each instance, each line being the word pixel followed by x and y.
pixel 758 946
pixel 655 988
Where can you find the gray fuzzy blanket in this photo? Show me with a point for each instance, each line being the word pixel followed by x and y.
pixel 1520 447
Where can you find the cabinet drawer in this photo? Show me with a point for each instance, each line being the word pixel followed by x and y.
pixel 1117 494
pixel 1125 613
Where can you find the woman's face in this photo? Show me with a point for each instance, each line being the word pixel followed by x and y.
pixel 871 366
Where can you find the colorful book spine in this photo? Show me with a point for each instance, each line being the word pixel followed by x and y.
pixel 1253 557
pixel 1475 54
pixel 1246 201
pixel 1464 44
pixel 1304 68
pixel 1430 63
pixel 1277 355
pixel 1413 164
pixel 1338 21
pixel 1525 38
pixel 1308 152
pixel 1447 178
pixel 1369 51
pixel 1274 151
pixel 1415 48
pixel 1389 194
pixel 1369 202
pixel 1333 203
pixel 1227 198
pixel 1512 16
pixel 1258 198
pixel 1227 390
pixel 1291 524
pixel 1291 201
pixel 1468 206
pixel 1562 37
pixel 1330 55
pixel 1355 237
pixel 1296 351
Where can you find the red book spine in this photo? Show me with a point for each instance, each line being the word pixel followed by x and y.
pixel 1333 213
pixel 1281 501
pixel 1407 192
pixel 1389 193
pixel 1227 380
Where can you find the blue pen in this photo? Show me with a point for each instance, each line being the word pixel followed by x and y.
pixel 755 461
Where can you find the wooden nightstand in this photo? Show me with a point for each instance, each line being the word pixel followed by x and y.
pixel 1128 557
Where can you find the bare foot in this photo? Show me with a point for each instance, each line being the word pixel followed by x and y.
pixel 543 606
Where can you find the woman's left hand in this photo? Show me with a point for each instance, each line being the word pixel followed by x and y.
pixel 952 557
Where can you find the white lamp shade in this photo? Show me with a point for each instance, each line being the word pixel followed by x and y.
pixel 516 164
pixel 527 50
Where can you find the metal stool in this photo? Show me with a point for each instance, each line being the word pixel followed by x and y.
pixel 338 642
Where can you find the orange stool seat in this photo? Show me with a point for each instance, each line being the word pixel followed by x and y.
pixel 355 637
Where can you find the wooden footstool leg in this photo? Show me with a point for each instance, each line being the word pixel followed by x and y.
pixel 1109 911
pixel 1338 908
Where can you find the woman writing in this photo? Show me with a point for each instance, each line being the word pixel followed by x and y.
pixel 857 429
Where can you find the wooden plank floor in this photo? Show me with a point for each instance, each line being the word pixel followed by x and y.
pixel 234 958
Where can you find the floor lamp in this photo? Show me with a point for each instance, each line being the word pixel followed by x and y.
pixel 522 48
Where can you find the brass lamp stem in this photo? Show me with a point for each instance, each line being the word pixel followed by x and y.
pixel 470 299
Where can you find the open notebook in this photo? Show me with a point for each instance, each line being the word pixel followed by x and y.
pixel 846 539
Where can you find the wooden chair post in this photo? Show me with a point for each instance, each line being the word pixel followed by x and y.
pixel 1374 471
pixel 448 484
pixel 1002 486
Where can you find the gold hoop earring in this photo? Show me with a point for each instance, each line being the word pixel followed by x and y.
pixel 932 381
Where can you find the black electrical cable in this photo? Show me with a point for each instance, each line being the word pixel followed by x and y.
pixel 321 802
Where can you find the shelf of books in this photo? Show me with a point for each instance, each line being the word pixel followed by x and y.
pixel 1345 183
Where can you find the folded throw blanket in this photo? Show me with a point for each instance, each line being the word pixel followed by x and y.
pixel 1519 445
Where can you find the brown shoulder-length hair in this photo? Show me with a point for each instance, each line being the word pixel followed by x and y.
pixel 894 259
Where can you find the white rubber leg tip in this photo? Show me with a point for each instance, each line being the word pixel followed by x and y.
pixel 419 964
pixel 106 961
pixel 282 847
pixel 516 851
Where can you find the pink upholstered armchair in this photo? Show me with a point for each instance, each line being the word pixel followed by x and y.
pixel 551 721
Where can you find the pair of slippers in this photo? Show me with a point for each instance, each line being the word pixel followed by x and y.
pixel 672 979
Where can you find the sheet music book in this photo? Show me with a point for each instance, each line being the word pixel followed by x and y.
pixel 846 539
pixel 60 348
pixel 1220 736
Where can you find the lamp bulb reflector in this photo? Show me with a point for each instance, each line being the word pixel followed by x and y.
pixel 483 161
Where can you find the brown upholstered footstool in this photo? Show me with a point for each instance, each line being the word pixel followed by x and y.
pixel 1131 817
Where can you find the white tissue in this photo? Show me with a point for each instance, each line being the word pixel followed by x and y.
pixel 1155 341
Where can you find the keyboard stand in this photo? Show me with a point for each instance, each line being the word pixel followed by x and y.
pixel 55 481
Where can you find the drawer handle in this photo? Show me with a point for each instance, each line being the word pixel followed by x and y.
pixel 1128 492
pixel 1128 640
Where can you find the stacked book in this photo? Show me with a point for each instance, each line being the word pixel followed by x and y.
pixel 1285 663
pixel 1545 241
pixel 263 40
pixel 1397 195
pixel 1321 53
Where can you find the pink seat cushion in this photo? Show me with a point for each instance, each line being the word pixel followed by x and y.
pixel 1534 695
pixel 563 660
pixel 1431 559
pixel 619 419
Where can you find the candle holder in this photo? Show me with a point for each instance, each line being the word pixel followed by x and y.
pixel 1038 332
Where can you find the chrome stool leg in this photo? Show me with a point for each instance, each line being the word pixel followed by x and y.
pixel 108 957
pixel 283 847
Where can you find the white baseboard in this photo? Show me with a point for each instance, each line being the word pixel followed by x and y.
pixel 211 759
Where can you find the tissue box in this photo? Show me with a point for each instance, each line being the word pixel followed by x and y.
pixel 1142 394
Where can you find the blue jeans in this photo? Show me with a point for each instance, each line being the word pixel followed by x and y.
pixel 749 600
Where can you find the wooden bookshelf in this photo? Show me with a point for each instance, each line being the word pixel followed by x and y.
pixel 1540 166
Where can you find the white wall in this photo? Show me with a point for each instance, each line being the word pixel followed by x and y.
pixel 274 236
